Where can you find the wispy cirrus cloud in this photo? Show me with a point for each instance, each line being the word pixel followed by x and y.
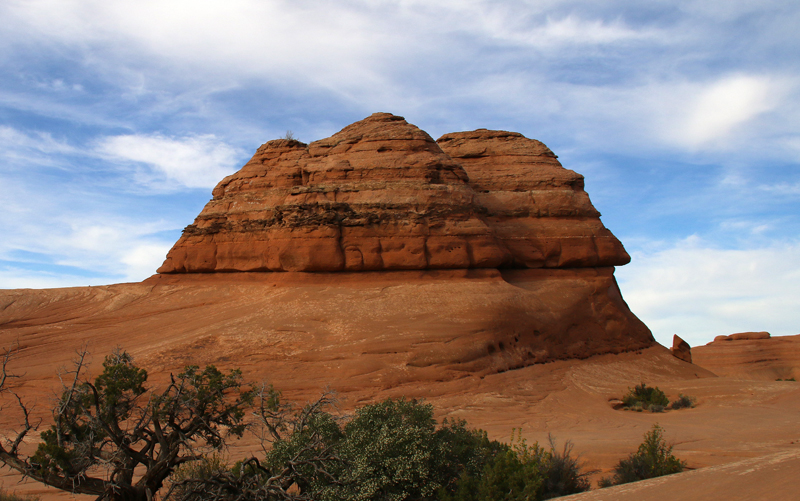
pixel 725 104
pixel 169 162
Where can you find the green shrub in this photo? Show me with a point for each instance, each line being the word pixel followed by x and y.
pixel 643 396
pixel 562 473
pixel 653 459
pixel 523 472
pixel 392 450
pixel 515 473
pixel 683 402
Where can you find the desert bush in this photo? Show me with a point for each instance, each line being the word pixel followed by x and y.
pixel 643 396
pixel 683 402
pixel 393 450
pixel 653 459
pixel 562 473
pixel 523 472
pixel 515 473
pixel 186 476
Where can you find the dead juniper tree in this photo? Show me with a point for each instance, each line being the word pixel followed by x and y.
pixel 115 438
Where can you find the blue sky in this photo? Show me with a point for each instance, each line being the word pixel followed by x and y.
pixel 117 119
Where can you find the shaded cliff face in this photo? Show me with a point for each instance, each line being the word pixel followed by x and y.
pixel 382 195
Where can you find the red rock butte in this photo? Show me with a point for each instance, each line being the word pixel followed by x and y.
pixel 381 194
pixel 375 258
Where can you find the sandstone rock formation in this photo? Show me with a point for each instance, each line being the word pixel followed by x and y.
pixel 382 195
pixel 681 349
pixel 741 336
pixel 751 355
pixel 537 208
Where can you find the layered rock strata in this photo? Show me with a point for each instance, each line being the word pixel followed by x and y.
pixel 751 355
pixel 538 209
pixel 382 195
pixel 484 234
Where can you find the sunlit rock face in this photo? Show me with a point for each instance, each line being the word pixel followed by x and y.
pixel 375 260
pixel 478 253
pixel 381 194
pixel 537 208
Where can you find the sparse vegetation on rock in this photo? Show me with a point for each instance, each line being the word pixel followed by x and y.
pixel 683 402
pixel 653 459
pixel 643 397
pixel 116 438
pixel 523 472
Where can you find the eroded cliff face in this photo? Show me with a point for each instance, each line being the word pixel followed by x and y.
pixel 414 259
pixel 381 194
pixel 537 209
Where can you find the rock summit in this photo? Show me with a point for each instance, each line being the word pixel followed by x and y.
pixel 381 194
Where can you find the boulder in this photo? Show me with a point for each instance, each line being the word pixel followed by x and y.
pixel 681 349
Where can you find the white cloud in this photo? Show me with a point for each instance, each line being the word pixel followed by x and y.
pixel 26 148
pixel 699 292
pixel 60 252
pixel 725 104
pixel 58 242
pixel 781 188
pixel 354 49
pixel 192 162
pixel 721 117
pixel 22 278
pixel 143 260
pixel 575 30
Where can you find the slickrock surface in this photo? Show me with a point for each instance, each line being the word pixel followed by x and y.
pixel 771 477
pixel 367 329
pixel 166 325
pixel 382 195
pixel 751 355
